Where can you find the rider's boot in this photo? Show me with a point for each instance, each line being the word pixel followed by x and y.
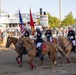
pixel 74 48
pixel 40 52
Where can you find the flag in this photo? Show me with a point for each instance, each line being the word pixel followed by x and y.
pixel 31 23
pixel 21 25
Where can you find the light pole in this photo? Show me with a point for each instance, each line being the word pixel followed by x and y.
pixel 60 11
pixel 0 6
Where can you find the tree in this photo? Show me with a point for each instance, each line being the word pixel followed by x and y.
pixel 38 21
pixel 69 20
pixel 53 21
pixel 75 21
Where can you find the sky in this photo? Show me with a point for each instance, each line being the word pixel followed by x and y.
pixel 50 6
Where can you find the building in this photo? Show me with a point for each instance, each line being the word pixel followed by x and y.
pixel 9 23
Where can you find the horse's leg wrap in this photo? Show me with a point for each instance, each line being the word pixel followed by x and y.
pixel 68 60
pixel 32 65
pixel 20 60
pixel 17 61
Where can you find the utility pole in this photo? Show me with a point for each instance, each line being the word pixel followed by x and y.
pixel 0 6
pixel 60 11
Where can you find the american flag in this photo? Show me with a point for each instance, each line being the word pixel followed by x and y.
pixel 21 25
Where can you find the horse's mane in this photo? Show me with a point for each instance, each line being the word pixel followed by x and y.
pixel 63 38
pixel 13 38
pixel 28 40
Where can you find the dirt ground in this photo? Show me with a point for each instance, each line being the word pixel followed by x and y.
pixel 9 66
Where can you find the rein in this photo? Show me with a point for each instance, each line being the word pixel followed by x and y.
pixel 26 45
pixel 66 45
pixel 30 49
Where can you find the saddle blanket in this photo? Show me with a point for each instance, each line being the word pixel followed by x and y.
pixel 44 47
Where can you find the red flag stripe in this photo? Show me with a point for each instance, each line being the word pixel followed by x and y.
pixel 31 22
pixel 21 25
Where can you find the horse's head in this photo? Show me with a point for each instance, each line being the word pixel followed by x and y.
pixel 9 41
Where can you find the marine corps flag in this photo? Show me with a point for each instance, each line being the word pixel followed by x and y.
pixel 31 23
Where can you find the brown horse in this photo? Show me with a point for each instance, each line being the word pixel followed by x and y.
pixel 64 43
pixel 14 40
pixel 32 50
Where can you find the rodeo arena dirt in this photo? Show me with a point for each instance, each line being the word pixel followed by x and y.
pixel 9 66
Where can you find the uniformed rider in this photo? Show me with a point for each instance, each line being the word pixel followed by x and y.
pixel 39 42
pixel 48 34
pixel 71 36
pixel 26 34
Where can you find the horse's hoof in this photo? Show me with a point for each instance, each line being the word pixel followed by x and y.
pixel 69 61
pixel 20 65
pixel 40 64
pixel 34 66
pixel 49 60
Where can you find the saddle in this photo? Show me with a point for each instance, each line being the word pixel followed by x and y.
pixel 43 48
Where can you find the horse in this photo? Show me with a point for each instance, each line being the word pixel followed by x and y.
pixel 65 44
pixel 14 40
pixel 32 50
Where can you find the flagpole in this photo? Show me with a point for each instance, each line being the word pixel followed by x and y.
pixel 0 6
pixel 60 11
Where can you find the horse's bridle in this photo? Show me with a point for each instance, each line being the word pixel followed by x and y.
pixel 8 41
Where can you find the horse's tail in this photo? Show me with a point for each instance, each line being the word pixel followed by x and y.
pixel 60 50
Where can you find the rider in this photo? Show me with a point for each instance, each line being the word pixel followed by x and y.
pixel 26 34
pixel 48 34
pixel 71 36
pixel 39 41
